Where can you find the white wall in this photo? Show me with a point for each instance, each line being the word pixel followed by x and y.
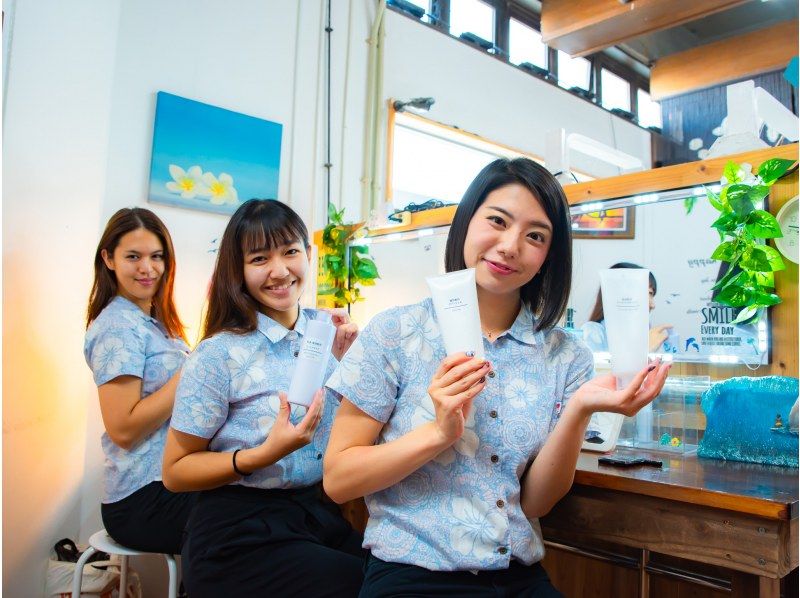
pixel 78 121
pixel 55 141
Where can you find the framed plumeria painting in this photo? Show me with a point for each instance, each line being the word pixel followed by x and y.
pixel 209 158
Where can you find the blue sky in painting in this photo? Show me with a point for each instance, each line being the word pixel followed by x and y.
pixel 189 133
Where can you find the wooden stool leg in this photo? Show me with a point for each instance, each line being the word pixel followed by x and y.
pixel 123 577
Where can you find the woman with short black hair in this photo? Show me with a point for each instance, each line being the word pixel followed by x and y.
pixel 457 456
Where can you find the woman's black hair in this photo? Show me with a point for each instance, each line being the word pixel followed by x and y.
pixel 597 312
pixel 258 224
pixel 547 293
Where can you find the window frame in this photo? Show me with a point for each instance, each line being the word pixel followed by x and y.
pixel 508 9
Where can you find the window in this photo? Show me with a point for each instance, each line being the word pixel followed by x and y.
pixel 649 111
pixel 525 45
pixel 472 16
pixel 616 91
pixel 573 72
pixel 432 161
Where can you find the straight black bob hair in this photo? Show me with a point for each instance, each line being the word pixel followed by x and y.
pixel 546 295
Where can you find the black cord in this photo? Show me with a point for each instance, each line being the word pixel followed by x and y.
pixel 328 165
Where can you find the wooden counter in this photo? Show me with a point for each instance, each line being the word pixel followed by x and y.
pixel 738 516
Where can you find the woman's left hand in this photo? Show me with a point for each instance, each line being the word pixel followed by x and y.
pixel 346 332
pixel 601 394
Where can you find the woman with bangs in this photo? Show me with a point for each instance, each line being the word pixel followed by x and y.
pixel 135 347
pixel 458 456
pixel 260 527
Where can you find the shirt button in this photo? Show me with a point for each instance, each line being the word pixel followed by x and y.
pixel 296 353
pixel 500 504
pixel 491 374
pixel 319 456
pixel 493 413
pixel 494 458
pixel 502 550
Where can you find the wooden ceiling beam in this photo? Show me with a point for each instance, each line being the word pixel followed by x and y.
pixel 581 27
pixel 732 59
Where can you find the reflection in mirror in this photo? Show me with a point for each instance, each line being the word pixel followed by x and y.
pixel 674 243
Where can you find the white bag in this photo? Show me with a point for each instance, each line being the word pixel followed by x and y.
pixel 96 582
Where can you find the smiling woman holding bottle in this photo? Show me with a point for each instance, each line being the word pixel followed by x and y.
pixel 135 346
pixel 260 527
pixel 458 456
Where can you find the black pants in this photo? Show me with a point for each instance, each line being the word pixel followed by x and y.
pixel 395 580
pixel 151 519
pixel 251 542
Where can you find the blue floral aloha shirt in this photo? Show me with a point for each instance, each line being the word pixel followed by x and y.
pixel 229 393
pixel 125 341
pixel 460 511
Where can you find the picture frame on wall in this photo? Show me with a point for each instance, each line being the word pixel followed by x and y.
pixel 209 158
pixel 614 223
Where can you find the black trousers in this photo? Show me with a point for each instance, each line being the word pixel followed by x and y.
pixel 250 542
pixel 396 580
pixel 151 519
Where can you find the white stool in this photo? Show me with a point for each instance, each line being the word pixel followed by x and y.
pixel 103 542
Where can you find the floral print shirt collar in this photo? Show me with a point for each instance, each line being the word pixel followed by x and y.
pixel 276 332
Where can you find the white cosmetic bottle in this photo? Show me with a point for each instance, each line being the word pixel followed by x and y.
pixel 312 360
pixel 455 299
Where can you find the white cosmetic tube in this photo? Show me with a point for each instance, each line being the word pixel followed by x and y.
pixel 626 311
pixel 455 299
pixel 312 360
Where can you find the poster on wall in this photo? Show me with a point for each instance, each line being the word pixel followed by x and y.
pixel 212 159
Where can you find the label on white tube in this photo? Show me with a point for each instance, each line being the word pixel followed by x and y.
pixel 626 310
pixel 455 300
pixel 312 360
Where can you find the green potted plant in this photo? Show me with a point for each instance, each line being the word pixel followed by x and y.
pixel 344 266
pixel 743 227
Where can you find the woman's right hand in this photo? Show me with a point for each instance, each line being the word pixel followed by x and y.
pixel 285 437
pixel 455 384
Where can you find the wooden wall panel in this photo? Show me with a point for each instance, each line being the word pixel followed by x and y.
pixel 731 59
pixel 581 27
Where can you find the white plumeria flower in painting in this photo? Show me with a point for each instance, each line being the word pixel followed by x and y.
pixel 479 529
pixel 189 183
pixel 247 368
pixel 111 355
pixel 220 190
pixel 467 445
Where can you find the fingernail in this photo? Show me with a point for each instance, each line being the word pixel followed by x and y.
pixel 483 379
pixel 470 353
pixel 651 368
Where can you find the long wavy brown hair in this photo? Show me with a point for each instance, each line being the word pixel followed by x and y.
pixel 257 224
pixel 104 288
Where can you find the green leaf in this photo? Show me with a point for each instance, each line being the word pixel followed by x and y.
pixel 726 223
pixel 332 213
pixel 739 198
pixel 762 258
pixel 745 314
pixel 735 295
pixel 764 279
pixel 688 204
pixel 763 225
pixel 767 299
pixel 729 275
pixel 362 249
pixel 773 169
pixel 714 200
pixel 366 269
pixel 725 251
pixel 731 172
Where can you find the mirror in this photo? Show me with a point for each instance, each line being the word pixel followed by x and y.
pixel 659 235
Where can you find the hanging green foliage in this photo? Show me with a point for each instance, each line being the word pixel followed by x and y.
pixel 743 228
pixel 345 266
